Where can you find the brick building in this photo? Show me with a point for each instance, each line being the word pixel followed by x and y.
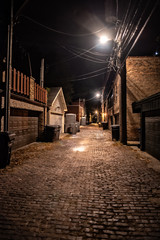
pixel 142 79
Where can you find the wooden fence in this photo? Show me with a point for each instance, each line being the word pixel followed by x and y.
pixel 20 84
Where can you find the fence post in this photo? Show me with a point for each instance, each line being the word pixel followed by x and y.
pixel 28 86
pixel 18 81
pixel 14 80
pixel 21 83
pixel 25 85
pixel 32 86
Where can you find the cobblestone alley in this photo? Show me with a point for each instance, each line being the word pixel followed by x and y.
pixel 84 186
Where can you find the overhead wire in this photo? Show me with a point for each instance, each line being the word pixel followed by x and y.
pixel 73 57
pixel 130 23
pixel 84 78
pixel 123 23
pixel 93 53
pixel 135 41
pixel 124 46
pixel 85 74
pixel 120 35
pixel 80 56
pixel 61 32
pixel 90 57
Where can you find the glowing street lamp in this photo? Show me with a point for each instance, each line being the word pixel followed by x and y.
pixel 98 95
pixel 103 39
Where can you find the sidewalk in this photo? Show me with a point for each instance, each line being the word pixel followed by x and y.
pixel 84 186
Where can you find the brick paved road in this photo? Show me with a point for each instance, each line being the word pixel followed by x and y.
pixel 82 187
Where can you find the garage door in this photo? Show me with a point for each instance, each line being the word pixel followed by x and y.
pixel 25 128
pixel 152 133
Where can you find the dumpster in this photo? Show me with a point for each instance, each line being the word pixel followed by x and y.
pixel 104 125
pixel 115 132
pixel 6 141
pixel 51 133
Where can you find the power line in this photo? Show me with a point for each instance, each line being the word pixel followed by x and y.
pixel 82 75
pixel 80 79
pixel 61 32
pixel 154 7
pixel 80 55
pixel 75 54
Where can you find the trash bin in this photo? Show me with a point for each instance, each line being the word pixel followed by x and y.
pixel 115 132
pixel 52 133
pixel 72 129
pixel 77 126
pixel 105 125
pixel 6 141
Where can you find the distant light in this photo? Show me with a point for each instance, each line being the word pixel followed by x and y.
pixel 156 53
pixel 96 112
pixel 103 39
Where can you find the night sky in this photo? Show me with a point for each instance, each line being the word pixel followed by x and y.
pixel 66 34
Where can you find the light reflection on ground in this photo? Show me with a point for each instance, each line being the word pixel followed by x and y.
pixel 79 149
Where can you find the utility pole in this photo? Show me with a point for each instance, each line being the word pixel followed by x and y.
pixel 8 72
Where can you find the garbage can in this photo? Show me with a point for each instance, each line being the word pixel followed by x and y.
pixel 77 126
pixel 52 133
pixel 72 129
pixel 115 132
pixel 6 141
pixel 105 125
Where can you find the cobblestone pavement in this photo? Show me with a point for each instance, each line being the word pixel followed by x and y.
pixel 83 187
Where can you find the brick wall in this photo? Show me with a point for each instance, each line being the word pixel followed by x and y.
pixel 143 80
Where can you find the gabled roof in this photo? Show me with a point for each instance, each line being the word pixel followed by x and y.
pixel 53 94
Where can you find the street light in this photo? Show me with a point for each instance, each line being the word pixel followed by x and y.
pixel 98 95
pixel 103 39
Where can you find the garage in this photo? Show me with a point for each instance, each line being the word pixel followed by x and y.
pixel 152 136
pixel 149 109
pixel 57 107
pixel 24 124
